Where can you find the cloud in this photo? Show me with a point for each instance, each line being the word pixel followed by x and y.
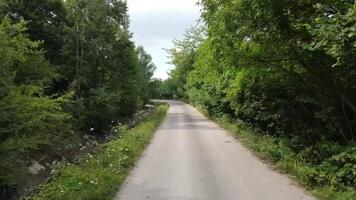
pixel 137 6
pixel 162 24
pixel 156 23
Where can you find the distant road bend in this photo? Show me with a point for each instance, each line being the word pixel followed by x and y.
pixel 192 158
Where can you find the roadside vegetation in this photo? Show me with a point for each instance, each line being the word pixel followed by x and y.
pixel 331 179
pixel 164 89
pixel 68 70
pixel 282 76
pixel 100 175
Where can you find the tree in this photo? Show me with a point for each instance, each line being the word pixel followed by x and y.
pixel 287 70
pixel 295 37
pixel 103 68
pixel 67 68
pixel 183 56
pixel 45 22
pixel 29 119
pixel 147 69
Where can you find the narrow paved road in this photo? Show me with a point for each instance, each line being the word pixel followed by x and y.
pixel 191 158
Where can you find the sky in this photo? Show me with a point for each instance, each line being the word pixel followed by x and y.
pixel 156 23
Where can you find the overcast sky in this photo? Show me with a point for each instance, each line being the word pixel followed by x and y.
pixel 156 23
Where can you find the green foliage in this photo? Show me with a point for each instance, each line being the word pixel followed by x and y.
pixel 109 76
pixel 29 120
pixel 66 68
pixel 22 61
pixel 45 22
pixel 278 104
pixel 154 89
pixel 168 89
pixel 147 69
pixel 101 109
pixel 316 53
pixel 287 69
pixel 183 57
pixel 331 178
pixel 206 83
pixel 98 176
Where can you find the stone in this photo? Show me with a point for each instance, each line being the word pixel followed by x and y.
pixel 35 168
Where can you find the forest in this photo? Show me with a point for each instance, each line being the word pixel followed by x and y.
pixel 286 70
pixel 67 68
pixel 279 73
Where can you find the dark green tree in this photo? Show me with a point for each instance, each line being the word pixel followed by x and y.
pixel 46 21
pixel 29 120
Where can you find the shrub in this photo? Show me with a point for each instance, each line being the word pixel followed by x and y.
pixel 100 109
pixel 29 122
pixel 278 104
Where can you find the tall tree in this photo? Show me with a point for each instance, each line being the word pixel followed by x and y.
pixel 147 69
pixel 46 22
pixel 29 120
pixel 183 55
pixel 101 60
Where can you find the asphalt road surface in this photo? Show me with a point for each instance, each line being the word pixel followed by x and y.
pixel 192 158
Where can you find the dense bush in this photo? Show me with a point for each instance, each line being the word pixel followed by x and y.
pixel 279 104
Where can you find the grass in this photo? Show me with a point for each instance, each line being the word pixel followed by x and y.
pixel 277 151
pixel 99 176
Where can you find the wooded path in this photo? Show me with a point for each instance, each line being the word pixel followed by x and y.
pixel 192 158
